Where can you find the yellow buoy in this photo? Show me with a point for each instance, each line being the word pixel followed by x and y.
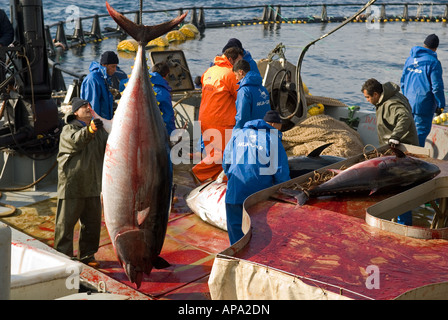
pixel 191 27
pixel 159 42
pixel 187 33
pixel 315 109
pixel 127 45
pixel 175 35
pixel 189 30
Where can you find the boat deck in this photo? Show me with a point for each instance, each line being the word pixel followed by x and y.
pixel 327 243
pixel 190 245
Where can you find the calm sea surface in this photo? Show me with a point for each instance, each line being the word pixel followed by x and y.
pixel 335 67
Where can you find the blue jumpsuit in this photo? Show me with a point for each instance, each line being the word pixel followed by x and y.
pixel 422 84
pixel 254 159
pixel 163 96
pixel 252 101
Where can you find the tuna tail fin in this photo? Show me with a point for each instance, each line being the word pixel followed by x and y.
pixel 398 153
pixel 300 195
pixel 143 34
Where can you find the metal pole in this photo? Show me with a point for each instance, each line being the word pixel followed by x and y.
pixel 141 11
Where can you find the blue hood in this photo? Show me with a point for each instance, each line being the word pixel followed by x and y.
pixel 252 78
pixel 261 124
pixel 158 80
pixel 96 67
pixel 418 52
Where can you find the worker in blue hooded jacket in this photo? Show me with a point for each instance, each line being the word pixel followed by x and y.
pixel 95 87
pixel 252 101
pixel 422 84
pixel 254 159
pixel 158 73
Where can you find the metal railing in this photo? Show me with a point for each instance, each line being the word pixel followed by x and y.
pixel 248 15
pixel 267 14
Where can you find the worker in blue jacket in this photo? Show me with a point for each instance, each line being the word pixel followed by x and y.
pixel 252 101
pixel 95 87
pixel 422 84
pixel 159 73
pixel 254 159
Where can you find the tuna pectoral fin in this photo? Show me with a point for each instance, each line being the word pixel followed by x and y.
pixel 160 263
pixel 300 195
pixel 141 216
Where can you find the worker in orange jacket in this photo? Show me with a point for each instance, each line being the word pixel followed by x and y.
pixel 217 112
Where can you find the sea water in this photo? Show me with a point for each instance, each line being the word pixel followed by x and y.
pixel 336 66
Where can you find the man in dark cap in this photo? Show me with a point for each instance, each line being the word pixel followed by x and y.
pixel 96 85
pixel 422 84
pixel 80 160
pixel 254 159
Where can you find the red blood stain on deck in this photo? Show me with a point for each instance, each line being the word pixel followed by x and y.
pixel 325 245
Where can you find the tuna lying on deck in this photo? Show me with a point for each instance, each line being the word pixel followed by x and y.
pixel 397 172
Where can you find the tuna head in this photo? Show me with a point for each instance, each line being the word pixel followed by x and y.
pixel 135 250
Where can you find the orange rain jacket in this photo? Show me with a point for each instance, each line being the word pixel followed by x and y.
pixel 217 111
pixel 219 91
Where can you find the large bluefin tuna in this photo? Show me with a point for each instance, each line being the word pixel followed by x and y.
pixel 386 173
pixel 137 172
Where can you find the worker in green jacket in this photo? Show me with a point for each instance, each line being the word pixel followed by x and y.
pixel 80 161
pixel 394 120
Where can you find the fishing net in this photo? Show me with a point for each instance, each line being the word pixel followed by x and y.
pixel 321 129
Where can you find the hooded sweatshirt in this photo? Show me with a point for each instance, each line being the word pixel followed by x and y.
pixel 394 117
pixel 95 89
pixel 422 83
pixel 163 96
pixel 253 65
pixel 254 159
pixel 252 101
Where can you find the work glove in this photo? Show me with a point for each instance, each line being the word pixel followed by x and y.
pixel 95 125
pixel 393 143
pixel 439 111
